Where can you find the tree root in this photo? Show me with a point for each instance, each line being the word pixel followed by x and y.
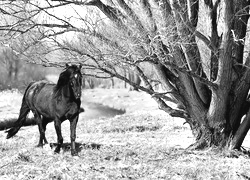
pixel 199 145
pixel 236 153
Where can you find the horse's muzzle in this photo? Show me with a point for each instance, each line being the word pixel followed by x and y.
pixel 78 95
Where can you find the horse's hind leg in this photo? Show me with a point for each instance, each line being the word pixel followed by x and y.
pixel 44 124
pixel 59 135
pixel 41 129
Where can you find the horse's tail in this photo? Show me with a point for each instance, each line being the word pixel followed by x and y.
pixel 22 116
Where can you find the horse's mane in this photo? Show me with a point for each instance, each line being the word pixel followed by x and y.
pixel 64 78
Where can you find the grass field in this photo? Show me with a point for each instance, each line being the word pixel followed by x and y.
pixel 143 143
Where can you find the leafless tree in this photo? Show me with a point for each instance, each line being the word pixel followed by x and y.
pixel 110 37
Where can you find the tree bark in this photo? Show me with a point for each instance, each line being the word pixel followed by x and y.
pixel 241 133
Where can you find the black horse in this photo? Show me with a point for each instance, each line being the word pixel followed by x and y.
pixel 56 102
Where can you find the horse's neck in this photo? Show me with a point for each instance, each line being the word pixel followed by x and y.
pixel 66 93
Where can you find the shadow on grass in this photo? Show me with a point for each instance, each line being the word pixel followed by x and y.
pixel 79 146
pixel 136 128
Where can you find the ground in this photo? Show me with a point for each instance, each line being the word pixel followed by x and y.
pixel 143 143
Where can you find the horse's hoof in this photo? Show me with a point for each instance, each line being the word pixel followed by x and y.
pixel 74 153
pixel 39 145
pixel 57 151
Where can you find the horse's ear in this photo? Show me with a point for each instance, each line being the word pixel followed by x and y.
pixel 80 66
pixel 67 65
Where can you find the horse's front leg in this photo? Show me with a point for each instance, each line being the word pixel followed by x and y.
pixel 59 135
pixel 73 123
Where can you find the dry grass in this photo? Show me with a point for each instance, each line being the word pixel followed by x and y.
pixel 142 144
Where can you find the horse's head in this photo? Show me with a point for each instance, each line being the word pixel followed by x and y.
pixel 75 79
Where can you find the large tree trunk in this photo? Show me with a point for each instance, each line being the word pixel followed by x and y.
pixel 211 125
pixel 207 104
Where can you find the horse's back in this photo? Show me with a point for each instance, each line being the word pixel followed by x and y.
pixel 39 96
